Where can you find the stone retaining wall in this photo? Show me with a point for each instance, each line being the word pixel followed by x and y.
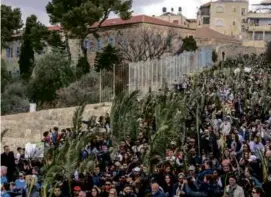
pixel 29 127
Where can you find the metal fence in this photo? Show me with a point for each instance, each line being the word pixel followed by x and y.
pixel 154 74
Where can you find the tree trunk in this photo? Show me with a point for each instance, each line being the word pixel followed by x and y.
pixel 68 47
pixel 83 48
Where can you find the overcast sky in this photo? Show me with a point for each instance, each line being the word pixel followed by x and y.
pixel 149 7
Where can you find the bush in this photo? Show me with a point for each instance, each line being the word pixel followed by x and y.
pixel 86 90
pixel 51 73
pixel 14 99
pixel 268 52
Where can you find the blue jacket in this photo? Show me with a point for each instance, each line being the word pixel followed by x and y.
pixel 159 194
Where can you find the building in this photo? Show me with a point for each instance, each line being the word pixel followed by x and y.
pixel 11 54
pixel 176 18
pixel 111 30
pixel 224 16
pixel 116 29
pixel 257 30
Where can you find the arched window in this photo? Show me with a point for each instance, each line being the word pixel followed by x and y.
pixel 219 23
pixel 219 9
pixel 111 40
pixel 100 44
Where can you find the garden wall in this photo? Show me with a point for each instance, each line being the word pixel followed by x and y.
pixel 29 127
pixel 233 50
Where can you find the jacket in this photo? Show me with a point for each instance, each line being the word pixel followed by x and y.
pixel 238 192
pixel 159 194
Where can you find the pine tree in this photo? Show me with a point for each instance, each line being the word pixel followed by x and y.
pixel 26 61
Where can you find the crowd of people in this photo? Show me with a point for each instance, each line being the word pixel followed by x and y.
pixel 231 158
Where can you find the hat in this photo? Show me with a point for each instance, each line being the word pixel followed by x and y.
pixel 117 163
pixel 136 169
pixel 181 175
pixel 191 168
pixel 21 174
pixel 77 188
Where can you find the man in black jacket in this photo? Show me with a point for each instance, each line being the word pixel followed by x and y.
pixel 8 160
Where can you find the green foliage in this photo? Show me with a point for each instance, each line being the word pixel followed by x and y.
pixel 85 90
pixel 14 99
pixel 214 56
pixel 52 72
pixel 33 41
pixel 268 52
pixel 10 22
pixel 5 78
pixel 189 44
pixel 77 118
pixel 82 67
pixel 55 41
pixel 106 59
pixel 77 16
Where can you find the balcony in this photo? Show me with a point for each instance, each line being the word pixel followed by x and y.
pixel 258 15
pixel 260 28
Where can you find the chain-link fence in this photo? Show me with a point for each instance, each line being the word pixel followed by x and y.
pixel 154 74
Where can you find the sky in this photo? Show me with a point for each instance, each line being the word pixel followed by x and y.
pixel 148 7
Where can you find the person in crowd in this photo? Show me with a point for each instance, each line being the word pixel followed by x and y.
pixel 8 160
pixel 156 191
pixel 233 190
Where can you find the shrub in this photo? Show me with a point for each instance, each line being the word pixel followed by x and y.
pixel 51 73
pixel 86 90
pixel 14 99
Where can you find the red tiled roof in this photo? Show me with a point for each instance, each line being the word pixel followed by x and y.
pixel 206 32
pixel 136 19
pixel 54 28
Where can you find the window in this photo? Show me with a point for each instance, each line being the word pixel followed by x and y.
pixel 219 23
pixel 233 23
pixel 206 20
pixel 176 21
pixel 100 44
pixel 243 28
pixel 87 44
pixel 243 11
pixel 18 52
pixel 219 9
pixel 9 52
pixel 111 41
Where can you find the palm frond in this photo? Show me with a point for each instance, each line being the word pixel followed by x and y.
pixel 77 118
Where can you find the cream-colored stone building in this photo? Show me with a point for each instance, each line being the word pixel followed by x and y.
pixel 258 26
pixel 224 16
pixel 111 32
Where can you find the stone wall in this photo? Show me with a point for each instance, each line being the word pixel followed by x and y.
pixel 234 50
pixel 29 127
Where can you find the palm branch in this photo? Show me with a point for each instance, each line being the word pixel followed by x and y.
pixel 77 118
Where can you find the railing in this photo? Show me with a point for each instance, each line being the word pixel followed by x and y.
pixel 260 28
pixel 258 15
pixel 154 74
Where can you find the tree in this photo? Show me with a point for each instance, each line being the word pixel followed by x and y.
pixel 268 52
pixel 189 44
pixel 51 73
pixel 76 17
pixel 214 56
pixel 82 67
pixel 14 99
pixel 34 37
pixel 10 22
pixel 55 41
pixel 145 44
pixel 5 78
pixel 84 90
pixel 106 59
